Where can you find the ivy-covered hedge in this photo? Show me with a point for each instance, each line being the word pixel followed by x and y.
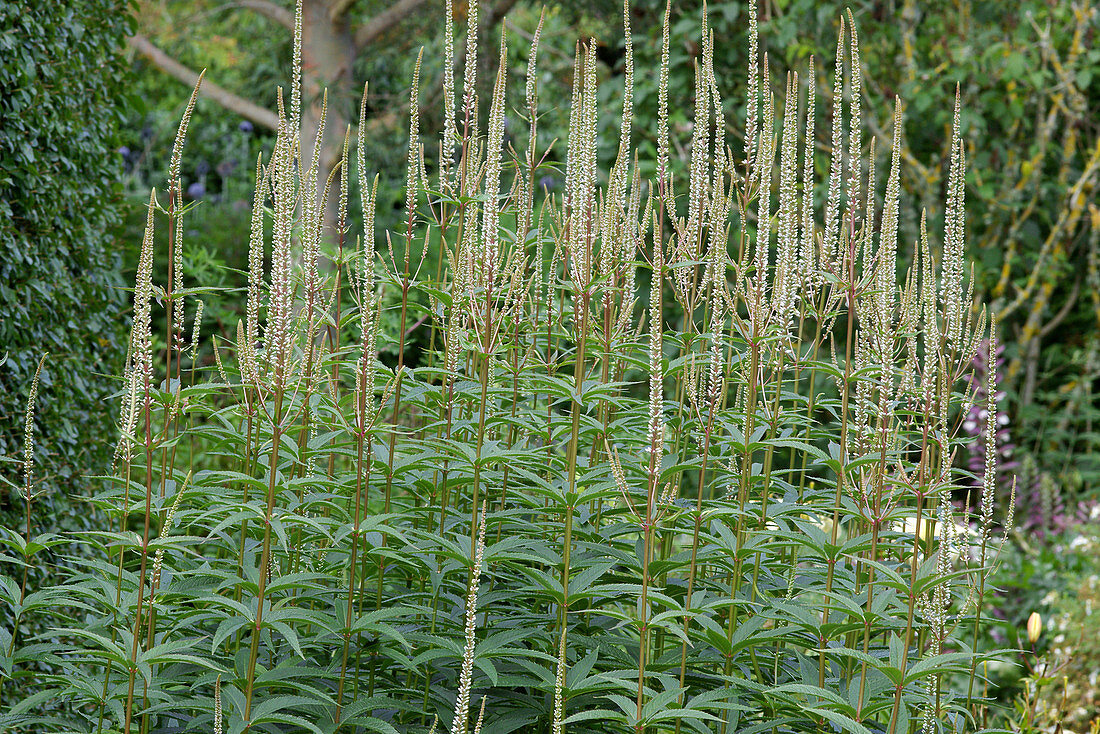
pixel 63 80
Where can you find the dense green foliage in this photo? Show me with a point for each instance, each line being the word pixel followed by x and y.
pixel 62 91
pixel 725 506
pixel 1030 127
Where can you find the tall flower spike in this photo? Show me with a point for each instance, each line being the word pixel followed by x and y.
pixel 572 143
pixel 280 332
pixel 412 178
pixel 663 175
pixel 754 85
pixel 174 196
pixel 480 716
pixel 558 726
pixel 139 372
pixel 992 425
pixel 367 366
pixel 656 372
pixel 460 724
pixel 490 217
pixel 469 82
pixel 141 335
pixel 628 91
pixel 195 332
pixel 366 245
pixel 28 433
pixel 312 209
pixel 888 237
pixel 836 160
pixel 367 197
pixel 699 181
pixel 787 276
pixel 591 115
pixel 256 260
pixel 530 88
pixel 855 127
pixel 717 255
pixel 909 320
pixel 807 255
pixel 930 327
pixel 765 159
pixel 530 99
pixel 718 111
pixel 450 129
pixel 630 242
pixel 582 165
pixel 181 135
pixel 218 706
pixel 716 376
pixel 296 81
pixel 342 222
pixel 866 238
pixel 953 237
pixel 612 222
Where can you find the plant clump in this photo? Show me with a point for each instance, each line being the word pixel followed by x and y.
pixel 726 504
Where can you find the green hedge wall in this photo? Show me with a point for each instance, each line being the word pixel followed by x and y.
pixel 63 81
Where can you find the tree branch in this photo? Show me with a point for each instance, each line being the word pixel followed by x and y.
pixel 379 24
pixel 222 96
pixel 497 13
pixel 339 8
pixel 271 11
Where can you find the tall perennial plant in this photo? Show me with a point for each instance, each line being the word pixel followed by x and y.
pixel 681 456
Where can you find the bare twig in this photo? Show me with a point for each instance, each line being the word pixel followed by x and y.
pixel 269 10
pixel 384 21
pixel 339 8
pixel 232 102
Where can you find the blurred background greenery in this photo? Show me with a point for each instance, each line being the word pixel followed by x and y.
pixel 81 153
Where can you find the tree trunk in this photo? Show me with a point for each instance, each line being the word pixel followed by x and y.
pixel 328 51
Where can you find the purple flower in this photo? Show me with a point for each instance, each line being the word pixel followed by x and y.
pixel 196 190
pixel 245 126
pixel 225 168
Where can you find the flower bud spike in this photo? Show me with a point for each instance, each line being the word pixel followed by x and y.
pixel 175 200
pixel 836 161
pixel 412 177
pixel 765 160
pixel 810 277
pixel 787 276
pixel 954 238
pixel 469 82
pixel 490 221
pixel 888 237
pixel 753 87
pixel 855 127
pixel 28 439
pixel 218 706
pixel 295 121
pixel 664 178
pixel 450 128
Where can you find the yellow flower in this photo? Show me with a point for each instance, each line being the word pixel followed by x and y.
pixel 1034 627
